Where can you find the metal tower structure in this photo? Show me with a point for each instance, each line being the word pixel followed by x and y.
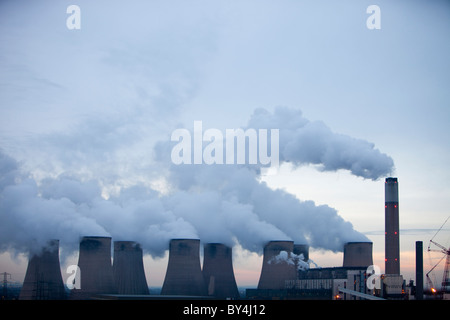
pixel 445 285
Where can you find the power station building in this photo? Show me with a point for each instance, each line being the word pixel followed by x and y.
pixel 285 271
pixel 314 283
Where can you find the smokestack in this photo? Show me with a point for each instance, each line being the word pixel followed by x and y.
pixel 128 268
pixel 218 271
pixel 419 270
pixel 358 254
pixel 184 274
pixel 43 280
pixel 96 272
pixel 392 243
pixel 274 271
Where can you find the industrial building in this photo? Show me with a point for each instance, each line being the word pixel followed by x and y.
pixel 285 271
pixel 318 284
pixel 314 283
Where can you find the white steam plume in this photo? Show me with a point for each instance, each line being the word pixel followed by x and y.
pixel 297 260
pixel 304 142
pixel 216 203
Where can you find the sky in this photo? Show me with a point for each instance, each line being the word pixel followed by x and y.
pixel 86 117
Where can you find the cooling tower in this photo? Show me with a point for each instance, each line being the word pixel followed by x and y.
pixel 218 271
pixel 392 236
pixel 276 270
pixel 358 254
pixel 302 249
pixel 96 271
pixel 184 275
pixel 43 280
pixel 128 268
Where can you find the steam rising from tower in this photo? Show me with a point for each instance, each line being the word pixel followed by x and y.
pixel 392 245
pixel 275 272
pixel 302 249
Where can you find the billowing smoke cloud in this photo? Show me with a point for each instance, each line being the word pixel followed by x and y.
pixel 302 143
pixel 84 111
pixel 216 203
pixel 305 142
pixel 297 260
pixel 66 209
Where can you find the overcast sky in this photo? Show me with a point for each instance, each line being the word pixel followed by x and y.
pixel 92 104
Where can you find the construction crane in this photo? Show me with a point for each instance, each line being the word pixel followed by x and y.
pixel 445 286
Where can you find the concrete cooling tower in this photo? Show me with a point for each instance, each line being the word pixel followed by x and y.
pixel 275 269
pixel 43 280
pixel 184 275
pixel 302 249
pixel 218 271
pixel 128 268
pixel 95 266
pixel 358 254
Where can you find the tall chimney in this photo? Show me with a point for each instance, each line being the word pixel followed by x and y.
pixel 218 271
pixel 419 270
pixel 392 243
pixel 275 272
pixel 184 274
pixel 358 254
pixel 96 272
pixel 128 268
pixel 43 280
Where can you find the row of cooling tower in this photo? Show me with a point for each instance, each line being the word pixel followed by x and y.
pixel 184 275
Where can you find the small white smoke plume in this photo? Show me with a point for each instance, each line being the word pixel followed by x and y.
pixel 297 260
